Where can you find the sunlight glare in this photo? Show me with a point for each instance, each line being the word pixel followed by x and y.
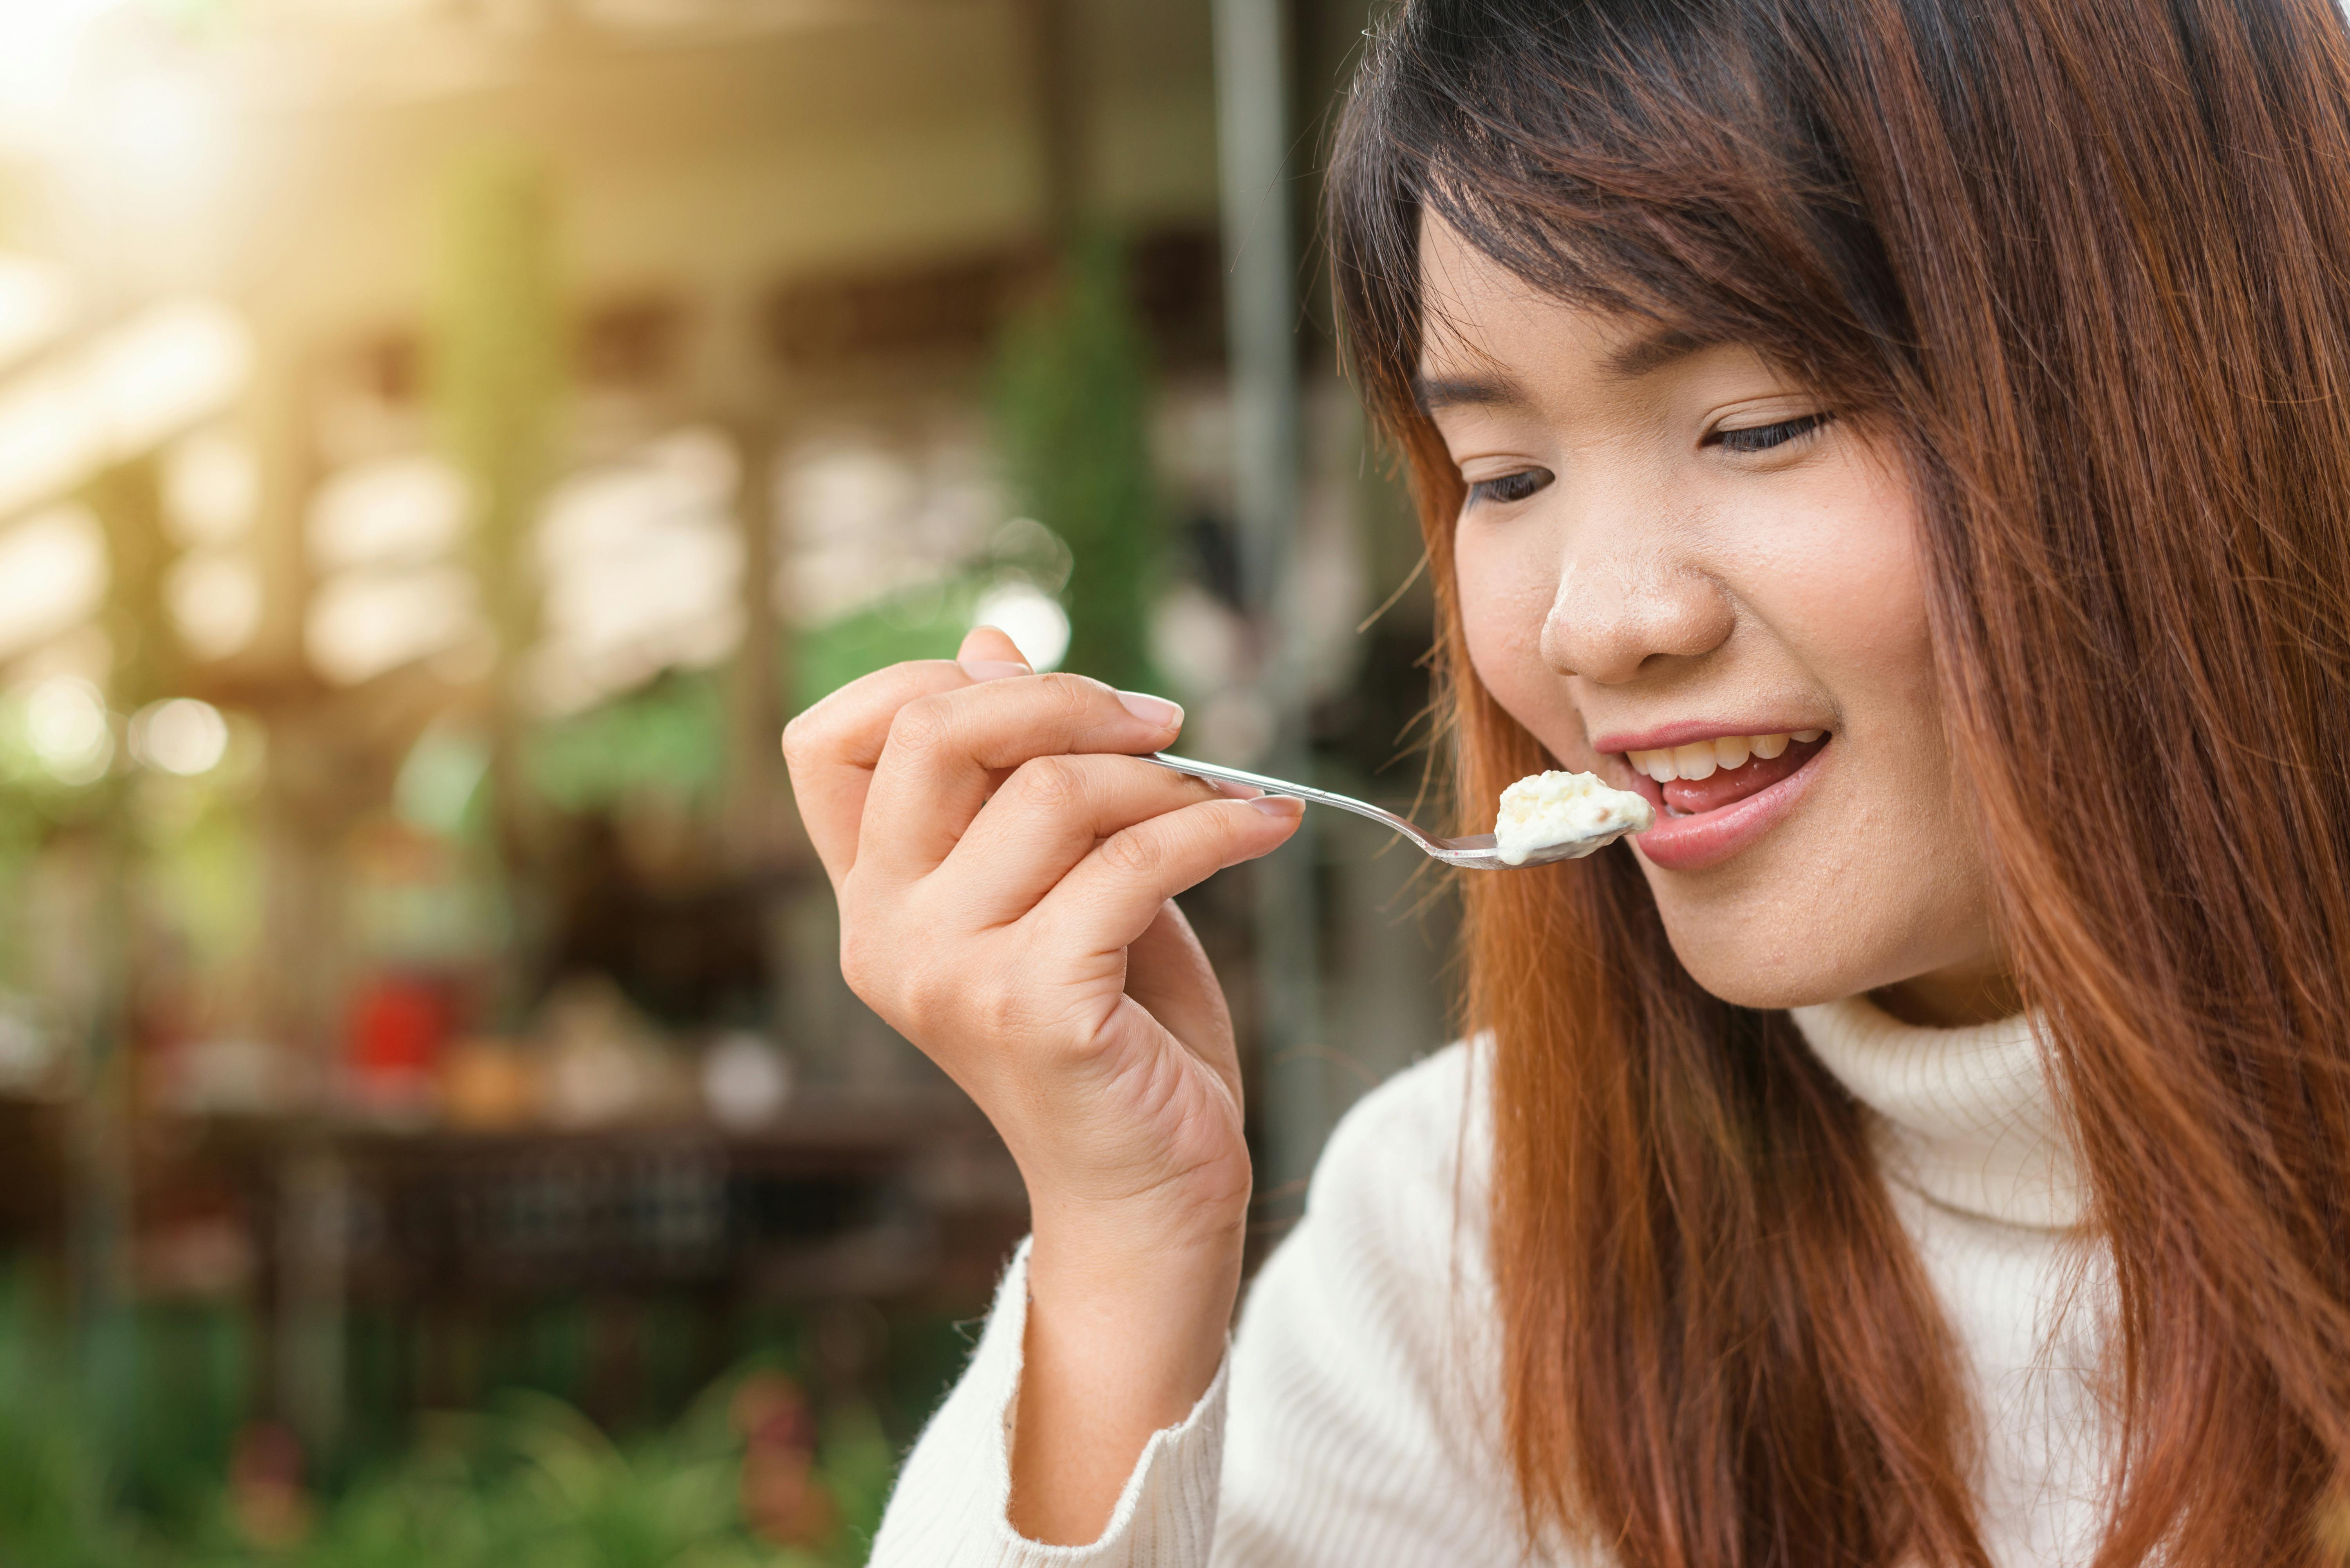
pixel 40 45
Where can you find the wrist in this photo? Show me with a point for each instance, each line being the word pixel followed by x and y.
pixel 1174 1280
pixel 1188 1217
pixel 1119 1344
pixel 1094 1243
pixel 1166 1303
pixel 1150 1273
pixel 1154 1304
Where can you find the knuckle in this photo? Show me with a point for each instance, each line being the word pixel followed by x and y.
pixel 1050 786
pixel 868 949
pixel 800 739
pixel 1134 853
pixel 860 964
pixel 921 989
pixel 811 729
pixel 920 1009
pixel 922 728
pixel 1001 1008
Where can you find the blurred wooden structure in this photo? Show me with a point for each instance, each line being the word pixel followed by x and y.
pixel 776 219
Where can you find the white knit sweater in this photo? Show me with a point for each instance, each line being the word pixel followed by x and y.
pixel 1354 1420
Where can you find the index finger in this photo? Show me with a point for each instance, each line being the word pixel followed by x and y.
pixel 832 748
pixel 947 752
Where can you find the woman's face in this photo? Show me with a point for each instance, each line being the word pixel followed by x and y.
pixel 1682 572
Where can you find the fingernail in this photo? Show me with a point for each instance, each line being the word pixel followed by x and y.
pixel 1152 710
pixel 1283 807
pixel 1233 791
pixel 993 669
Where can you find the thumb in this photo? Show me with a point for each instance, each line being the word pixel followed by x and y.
pixel 988 645
pixel 1168 975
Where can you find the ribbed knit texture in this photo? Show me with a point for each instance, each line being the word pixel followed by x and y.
pixel 1356 1421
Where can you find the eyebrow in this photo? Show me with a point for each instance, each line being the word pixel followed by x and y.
pixel 1434 392
pixel 1651 352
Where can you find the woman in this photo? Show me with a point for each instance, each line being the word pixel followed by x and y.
pixel 1930 1143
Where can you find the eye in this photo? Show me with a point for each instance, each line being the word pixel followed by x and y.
pixel 1510 487
pixel 1762 438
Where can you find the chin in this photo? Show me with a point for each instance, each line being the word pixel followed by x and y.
pixel 1771 957
pixel 1747 985
pixel 1770 954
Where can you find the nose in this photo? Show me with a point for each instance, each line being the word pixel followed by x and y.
pixel 1627 601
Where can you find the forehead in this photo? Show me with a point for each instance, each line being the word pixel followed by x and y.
pixel 1483 323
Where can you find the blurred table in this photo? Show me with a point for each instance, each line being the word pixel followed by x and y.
pixel 844 1203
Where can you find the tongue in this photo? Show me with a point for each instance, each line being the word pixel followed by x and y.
pixel 1729 785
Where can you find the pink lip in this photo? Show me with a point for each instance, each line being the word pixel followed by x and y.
pixel 1711 838
pixel 1686 732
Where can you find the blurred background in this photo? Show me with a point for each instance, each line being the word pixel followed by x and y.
pixel 440 443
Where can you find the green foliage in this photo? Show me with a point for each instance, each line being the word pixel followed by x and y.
pixel 1072 411
pixel 531 1484
pixel 926 624
pixel 536 1485
pixel 54 1504
pixel 666 738
pixel 669 736
pixel 67 1494
pixel 925 621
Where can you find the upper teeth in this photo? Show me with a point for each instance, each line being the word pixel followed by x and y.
pixel 1699 758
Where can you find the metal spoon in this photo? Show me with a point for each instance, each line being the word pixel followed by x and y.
pixel 1476 851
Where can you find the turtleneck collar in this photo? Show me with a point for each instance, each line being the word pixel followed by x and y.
pixel 1964 1117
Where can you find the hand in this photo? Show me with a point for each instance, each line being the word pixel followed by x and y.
pixel 1005 872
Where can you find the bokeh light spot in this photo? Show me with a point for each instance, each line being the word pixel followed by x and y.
pixel 181 736
pixel 1030 616
pixel 66 724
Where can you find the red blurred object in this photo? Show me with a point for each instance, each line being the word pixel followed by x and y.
pixel 400 1027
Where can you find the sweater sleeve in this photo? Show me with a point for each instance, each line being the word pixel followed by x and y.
pixel 952 1505
pixel 1364 1420
pixel 1360 1382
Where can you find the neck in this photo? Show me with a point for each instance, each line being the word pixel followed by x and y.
pixel 1959 997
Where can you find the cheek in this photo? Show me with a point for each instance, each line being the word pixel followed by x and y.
pixel 1507 583
pixel 1876 879
pixel 1841 582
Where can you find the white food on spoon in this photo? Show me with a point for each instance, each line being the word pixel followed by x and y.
pixel 1545 810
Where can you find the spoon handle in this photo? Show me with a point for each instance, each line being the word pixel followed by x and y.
pixel 1218 772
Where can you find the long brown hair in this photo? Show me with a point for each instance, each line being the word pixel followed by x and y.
pixel 2088 261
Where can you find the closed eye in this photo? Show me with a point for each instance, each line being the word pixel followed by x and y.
pixel 1510 487
pixel 1762 438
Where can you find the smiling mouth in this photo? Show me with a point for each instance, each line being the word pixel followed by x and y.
pixel 1707 776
